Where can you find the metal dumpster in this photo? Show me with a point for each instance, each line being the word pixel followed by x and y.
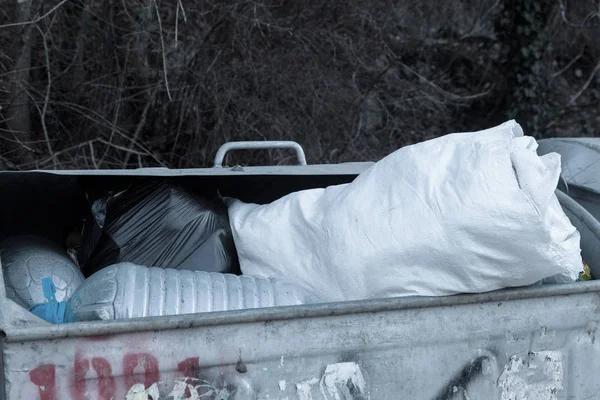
pixel 529 343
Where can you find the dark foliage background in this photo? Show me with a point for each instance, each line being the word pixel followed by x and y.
pixel 130 83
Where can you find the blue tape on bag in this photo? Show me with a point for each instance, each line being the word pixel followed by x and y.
pixel 56 312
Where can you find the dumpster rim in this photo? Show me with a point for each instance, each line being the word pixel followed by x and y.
pixel 209 319
pixel 343 169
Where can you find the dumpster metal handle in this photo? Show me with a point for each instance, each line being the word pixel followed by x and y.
pixel 259 145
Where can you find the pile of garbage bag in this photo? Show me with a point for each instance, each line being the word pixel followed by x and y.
pixel 161 225
pixel 463 213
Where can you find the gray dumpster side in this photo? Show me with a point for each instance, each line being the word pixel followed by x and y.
pixel 531 343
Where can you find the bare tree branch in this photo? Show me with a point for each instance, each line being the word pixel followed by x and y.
pixel 585 85
pixel 177 8
pixel 138 128
pixel 163 51
pixel 35 21
pixel 563 15
pixel 47 98
pixel 569 64
pixel 442 91
pixel 80 146
pixel 99 119
pixel 180 5
pixel 93 155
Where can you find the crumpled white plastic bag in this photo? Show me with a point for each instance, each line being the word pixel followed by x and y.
pixel 463 213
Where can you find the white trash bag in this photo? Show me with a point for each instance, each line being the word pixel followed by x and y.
pixel 463 213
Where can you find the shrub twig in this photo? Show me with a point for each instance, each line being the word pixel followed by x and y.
pixel 38 19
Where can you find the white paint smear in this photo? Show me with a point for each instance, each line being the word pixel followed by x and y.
pixel 209 391
pixel 139 392
pixel 538 376
pixel 303 389
pixel 178 392
pixel 282 385
pixel 336 380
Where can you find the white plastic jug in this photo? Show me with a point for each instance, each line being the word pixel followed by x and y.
pixel 127 290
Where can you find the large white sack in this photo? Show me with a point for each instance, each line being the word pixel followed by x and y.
pixel 467 212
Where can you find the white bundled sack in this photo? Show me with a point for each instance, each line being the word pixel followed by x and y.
pixel 464 213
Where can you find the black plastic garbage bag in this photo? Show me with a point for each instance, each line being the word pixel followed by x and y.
pixel 158 224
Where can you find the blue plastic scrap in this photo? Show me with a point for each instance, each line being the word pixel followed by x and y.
pixel 56 312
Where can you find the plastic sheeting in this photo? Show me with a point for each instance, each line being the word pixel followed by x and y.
pixel 464 213
pixel 160 225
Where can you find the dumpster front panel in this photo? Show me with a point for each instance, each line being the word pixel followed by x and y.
pixel 497 346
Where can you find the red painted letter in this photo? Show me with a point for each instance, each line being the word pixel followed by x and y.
pixel 106 382
pixel 189 368
pixel 144 360
pixel 80 369
pixel 44 377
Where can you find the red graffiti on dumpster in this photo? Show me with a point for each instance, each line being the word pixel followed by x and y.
pixel 106 382
pixel 44 377
pixel 189 367
pixel 145 361
pixel 137 368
